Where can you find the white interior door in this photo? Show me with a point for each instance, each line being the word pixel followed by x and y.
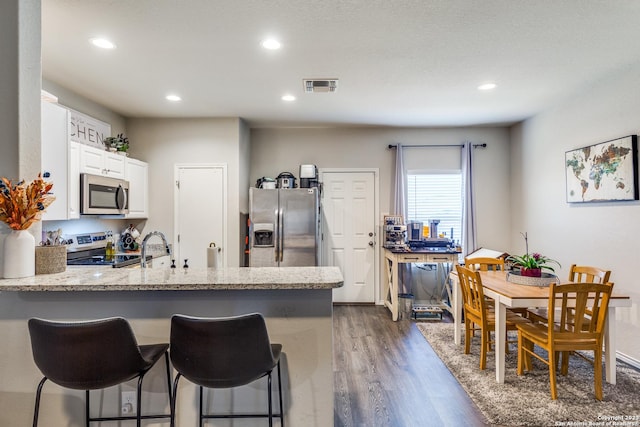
pixel 348 205
pixel 200 212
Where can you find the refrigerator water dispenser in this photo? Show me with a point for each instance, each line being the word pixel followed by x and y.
pixel 263 235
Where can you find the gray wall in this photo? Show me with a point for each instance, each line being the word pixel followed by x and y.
pixel 79 103
pixel 164 142
pixel 277 150
pixel 601 234
pixel 20 74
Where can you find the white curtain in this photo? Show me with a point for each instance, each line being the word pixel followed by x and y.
pixel 400 207
pixel 469 232
pixel 400 204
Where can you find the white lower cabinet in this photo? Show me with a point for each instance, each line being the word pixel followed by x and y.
pixel 137 173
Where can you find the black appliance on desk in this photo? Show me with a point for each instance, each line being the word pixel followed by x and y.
pixel 432 245
pixel 89 249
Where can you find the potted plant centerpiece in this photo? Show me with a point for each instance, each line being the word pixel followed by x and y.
pixel 532 264
pixel 118 143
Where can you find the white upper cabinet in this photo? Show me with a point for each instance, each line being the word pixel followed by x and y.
pixel 74 180
pixel 137 173
pixel 115 164
pixel 63 160
pixel 100 162
pixel 57 163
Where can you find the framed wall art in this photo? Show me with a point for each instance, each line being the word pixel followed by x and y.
pixel 603 172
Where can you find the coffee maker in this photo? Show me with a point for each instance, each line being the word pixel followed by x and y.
pixel 433 228
pixel 414 231
pixel 395 233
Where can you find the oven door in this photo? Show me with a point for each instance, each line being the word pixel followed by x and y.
pixel 101 195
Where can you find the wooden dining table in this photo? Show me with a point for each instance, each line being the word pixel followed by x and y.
pixel 507 295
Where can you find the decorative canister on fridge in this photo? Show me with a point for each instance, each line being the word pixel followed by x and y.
pixel 286 180
pixel 308 176
pixel 265 182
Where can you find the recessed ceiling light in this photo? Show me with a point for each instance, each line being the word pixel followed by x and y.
pixel 173 98
pixel 288 98
pixel 102 43
pixel 271 44
pixel 487 86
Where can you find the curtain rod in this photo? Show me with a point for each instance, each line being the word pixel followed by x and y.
pixel 483 145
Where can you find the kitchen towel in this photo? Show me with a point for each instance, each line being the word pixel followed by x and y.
pixel 213 256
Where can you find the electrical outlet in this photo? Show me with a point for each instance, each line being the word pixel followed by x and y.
pixel 128 402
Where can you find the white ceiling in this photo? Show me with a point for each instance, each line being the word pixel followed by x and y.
pixel 399 62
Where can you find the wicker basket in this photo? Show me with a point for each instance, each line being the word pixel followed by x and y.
pixel 51 259
pixel 545 280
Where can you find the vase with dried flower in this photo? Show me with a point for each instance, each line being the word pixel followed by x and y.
pixel 20 207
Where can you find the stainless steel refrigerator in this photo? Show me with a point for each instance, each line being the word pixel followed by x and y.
pixel 284 227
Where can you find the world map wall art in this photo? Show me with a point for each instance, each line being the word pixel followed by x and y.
pixel 603 172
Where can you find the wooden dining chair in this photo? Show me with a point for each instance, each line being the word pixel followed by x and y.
pixel 491 264
pixel 477 315
pixel 577 274
pixel 568 329
pixel 484 264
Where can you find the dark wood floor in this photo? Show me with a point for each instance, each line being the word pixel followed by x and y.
pixel 386 374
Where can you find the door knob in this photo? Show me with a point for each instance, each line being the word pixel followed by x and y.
pixel 370 243
pixel 370 234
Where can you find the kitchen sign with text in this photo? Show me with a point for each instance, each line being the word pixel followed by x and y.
pixel 87 130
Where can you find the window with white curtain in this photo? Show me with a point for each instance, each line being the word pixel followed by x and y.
pixel 436 195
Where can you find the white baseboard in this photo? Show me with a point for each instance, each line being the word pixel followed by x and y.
pixel 629 360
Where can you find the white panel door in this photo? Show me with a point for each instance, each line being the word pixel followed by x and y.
pixel 348 203
pixel 201 206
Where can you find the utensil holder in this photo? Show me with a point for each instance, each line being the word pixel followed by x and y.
pixel 51 259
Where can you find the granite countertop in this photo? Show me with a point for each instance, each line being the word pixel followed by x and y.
pixel 172 279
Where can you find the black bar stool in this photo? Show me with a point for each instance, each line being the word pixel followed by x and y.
pixel 224 353
pixel 93 355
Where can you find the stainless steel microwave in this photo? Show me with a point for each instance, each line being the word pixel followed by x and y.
pixel 101 195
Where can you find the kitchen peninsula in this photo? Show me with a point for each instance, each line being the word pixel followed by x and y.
pixel 296 303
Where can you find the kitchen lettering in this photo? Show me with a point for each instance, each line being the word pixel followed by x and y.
pixel 88 130
pixel 81 132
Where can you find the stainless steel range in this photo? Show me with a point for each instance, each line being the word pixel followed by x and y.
pixel 90 249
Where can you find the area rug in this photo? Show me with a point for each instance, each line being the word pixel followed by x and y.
pixel 526 400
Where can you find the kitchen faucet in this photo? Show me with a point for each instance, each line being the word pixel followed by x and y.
pixel 143 250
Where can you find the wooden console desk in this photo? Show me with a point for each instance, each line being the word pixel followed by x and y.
pixel 394 258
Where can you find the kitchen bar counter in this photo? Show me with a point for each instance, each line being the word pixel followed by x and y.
pixel 296 303
pixel 172 279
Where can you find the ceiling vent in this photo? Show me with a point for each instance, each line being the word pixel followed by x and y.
pixel 320 85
